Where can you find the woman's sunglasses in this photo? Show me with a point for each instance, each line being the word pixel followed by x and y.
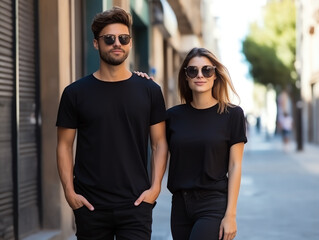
pixel 109 39
pixel 207 71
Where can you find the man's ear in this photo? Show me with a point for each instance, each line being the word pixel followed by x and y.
pixel 95 44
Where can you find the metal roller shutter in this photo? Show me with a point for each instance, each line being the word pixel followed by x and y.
pixel 28 169
pixel 19 158
pixel 6 103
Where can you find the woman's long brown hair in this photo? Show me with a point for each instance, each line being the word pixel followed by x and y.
pixel 222 83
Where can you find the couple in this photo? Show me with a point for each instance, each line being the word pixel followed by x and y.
pixel 113 112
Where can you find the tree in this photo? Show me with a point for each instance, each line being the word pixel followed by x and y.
pixel 270 49
pixel 270 45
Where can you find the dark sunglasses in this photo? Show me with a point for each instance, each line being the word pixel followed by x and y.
pixel 109 39
pixel 207 71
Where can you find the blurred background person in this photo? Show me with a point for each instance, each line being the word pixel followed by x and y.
pixel 285 126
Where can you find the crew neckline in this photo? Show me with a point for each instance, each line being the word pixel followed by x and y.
pixel 112 82
pixel 202 109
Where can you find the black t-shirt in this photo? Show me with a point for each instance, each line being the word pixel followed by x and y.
pixel 112 121
pixel 199 143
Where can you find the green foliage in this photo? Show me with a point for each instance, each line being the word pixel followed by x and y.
pixel 270 45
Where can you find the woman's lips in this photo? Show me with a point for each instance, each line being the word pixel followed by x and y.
pixel 199 83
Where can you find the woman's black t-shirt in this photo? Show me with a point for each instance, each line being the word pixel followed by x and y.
pixel 199 143
pixel 112 121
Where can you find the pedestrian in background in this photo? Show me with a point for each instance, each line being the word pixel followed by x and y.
pixel 113 112
pixel 206 137
pixel 285 125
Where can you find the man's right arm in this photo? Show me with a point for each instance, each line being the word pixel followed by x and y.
pixel 66 138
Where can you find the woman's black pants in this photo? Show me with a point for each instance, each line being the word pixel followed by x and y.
pixel 197 214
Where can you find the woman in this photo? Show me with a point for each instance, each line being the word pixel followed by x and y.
pixel 206 137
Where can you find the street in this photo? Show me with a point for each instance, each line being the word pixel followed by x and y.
pixel 279 195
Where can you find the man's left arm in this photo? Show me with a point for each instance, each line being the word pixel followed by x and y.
pixel 158 163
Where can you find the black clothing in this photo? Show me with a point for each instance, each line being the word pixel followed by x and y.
pixel 125 223
pixel 199 142
pixel 112 121
pixel 197 214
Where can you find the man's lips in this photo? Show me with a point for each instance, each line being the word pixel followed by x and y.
pixel 117 51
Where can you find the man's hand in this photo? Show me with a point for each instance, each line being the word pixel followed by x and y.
pixel 77 201
pixel 148 196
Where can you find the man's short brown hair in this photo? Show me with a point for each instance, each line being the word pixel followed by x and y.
pixel 113 15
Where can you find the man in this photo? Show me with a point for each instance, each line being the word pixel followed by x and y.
pixel 113 112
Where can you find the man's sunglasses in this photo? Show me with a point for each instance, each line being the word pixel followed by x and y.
pixel 207 71
pixel 109 39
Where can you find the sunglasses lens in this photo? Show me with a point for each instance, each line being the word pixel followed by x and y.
pixel 124 39
pixel 109 39
pixel 191 71
pixel 208 71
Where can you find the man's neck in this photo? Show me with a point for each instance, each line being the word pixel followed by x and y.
pixel 111 73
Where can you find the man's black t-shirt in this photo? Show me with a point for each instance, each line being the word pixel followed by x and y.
pixel 199 143
pixel 112 121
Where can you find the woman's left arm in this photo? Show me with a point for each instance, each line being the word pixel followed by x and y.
pixel 228 226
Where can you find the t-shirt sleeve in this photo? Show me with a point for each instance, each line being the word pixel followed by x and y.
pixel 168 132
pixel 158 110
pixel 67 115
pixel 238 126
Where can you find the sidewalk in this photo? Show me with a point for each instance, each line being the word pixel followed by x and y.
pixel 161 214
pixel 308 158
pixel 279 196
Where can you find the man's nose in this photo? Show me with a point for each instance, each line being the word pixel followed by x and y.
pixel 117 42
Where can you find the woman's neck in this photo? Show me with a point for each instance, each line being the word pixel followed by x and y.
pixel 201 101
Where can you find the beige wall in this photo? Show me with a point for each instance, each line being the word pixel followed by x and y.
pixel 125 4
pixel 166 60
pixel 156 55
pixel 56 71
pixel 307 65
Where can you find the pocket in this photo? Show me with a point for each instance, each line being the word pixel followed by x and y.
pixel 149 204
pixel 78 209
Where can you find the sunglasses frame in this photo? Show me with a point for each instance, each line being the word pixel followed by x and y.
pixel 200 69
pixel 113 37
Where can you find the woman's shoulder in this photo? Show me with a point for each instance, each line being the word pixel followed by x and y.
pixel 235 112
pixel 235 109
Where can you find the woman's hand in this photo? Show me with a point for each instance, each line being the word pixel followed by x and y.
pixel 144 75
pixel 228 228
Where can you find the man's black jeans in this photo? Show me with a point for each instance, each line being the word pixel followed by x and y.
pixel 126 223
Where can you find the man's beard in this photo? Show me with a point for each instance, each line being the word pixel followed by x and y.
pixel 107 58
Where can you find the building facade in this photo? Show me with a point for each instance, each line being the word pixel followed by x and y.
pixel 44 46
pixel 307 64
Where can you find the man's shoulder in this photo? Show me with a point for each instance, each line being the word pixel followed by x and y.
pixel 144 81
pixel 80 83
pixel 83 80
